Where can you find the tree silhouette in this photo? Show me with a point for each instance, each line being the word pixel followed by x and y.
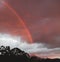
pixel 17 55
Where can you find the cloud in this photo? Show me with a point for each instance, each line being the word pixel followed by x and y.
pixel 40 50
pixel 36 48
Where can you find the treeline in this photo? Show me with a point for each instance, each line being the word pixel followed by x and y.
pixel 17 55
pixel 38 59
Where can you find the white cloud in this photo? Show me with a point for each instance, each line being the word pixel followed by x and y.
pixel 16 41
pixel 38 48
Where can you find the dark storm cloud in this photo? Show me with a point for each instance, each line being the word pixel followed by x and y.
pixel 10 24
pixel 42 18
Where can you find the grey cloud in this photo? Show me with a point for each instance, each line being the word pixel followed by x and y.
pixel 36 48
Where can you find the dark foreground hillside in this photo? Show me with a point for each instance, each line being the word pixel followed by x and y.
pixel 17 55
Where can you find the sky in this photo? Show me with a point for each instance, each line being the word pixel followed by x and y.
pixel 36 21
